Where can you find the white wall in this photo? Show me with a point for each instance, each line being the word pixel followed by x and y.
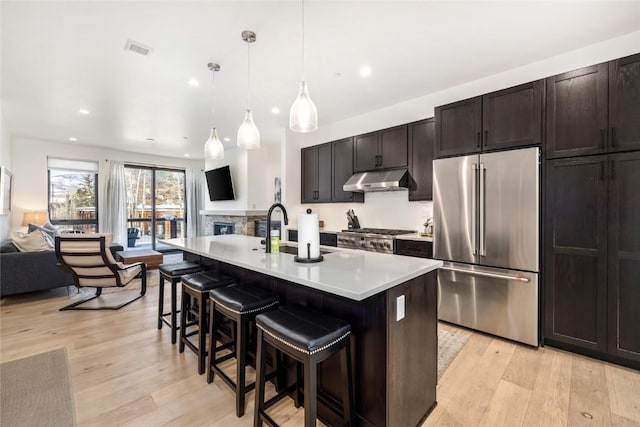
pixel 253 173
pixel 29 157
pixel 393 210
pixel 5 160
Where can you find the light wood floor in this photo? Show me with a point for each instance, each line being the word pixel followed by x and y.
pixel 126 372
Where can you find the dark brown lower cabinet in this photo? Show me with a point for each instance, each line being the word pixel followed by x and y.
pixel 592 256
pixel 624 256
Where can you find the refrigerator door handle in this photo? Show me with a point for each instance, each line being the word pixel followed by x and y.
pixel 474 208
pixel 482 241
pixel 487 274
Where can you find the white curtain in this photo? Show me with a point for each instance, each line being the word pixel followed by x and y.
pixel 194 202
pixel 115 203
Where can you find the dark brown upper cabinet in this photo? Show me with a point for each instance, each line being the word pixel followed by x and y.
pixel 503 119
pixel 342 163
pixel 385 149
pixel 316 174
pixel 594 110
pixel 421 140
pixel 512 117
pixel 624 104
pixel 577 112
pixel 458 127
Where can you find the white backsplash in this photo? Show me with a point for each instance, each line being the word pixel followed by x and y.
pixel 380 210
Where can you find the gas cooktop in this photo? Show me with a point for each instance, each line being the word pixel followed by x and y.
pixel 383 231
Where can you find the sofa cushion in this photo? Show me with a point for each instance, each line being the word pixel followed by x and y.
pixel 29 242
pixel 7 246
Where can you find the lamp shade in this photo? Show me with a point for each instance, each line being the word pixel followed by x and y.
pixel 35 217
pixel 303 116
pixel 213 148
pixel 248 134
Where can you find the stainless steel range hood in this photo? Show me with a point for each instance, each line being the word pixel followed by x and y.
pixel 390 180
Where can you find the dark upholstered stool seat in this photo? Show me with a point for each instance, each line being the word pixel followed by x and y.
pixel 309 337
pixel 205 281
pixel 244 299
pixel 179 269
pixel 305 330
pixel 241 304
pixel 195 288
pixel 173 272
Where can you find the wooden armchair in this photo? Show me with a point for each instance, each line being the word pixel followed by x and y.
pixel 88 258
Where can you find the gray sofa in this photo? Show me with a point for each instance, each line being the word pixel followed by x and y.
pixel 22 272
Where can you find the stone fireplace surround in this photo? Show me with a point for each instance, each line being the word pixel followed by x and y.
pixel 244 222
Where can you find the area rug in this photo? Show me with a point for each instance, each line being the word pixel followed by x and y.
pixel 36 391
pixel 449 345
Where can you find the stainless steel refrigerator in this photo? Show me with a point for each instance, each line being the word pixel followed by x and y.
pixel 486 210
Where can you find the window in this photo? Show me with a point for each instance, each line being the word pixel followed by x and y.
pixel 73 195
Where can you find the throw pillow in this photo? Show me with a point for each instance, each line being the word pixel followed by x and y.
pixel 49 234
pixel 31 242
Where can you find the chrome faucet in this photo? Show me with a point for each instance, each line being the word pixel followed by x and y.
pixel 286 222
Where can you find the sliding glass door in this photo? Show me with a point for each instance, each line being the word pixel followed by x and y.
pixel 156 206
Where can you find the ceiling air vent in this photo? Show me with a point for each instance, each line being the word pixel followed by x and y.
pixel 135 47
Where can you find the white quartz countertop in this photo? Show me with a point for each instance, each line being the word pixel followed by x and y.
pixel 414 236
pixel 352 274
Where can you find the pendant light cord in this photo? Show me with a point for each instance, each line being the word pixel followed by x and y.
pixel 248 73
pixel 302 39
pixel 213 97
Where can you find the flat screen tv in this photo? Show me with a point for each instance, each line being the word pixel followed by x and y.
pixel 219 183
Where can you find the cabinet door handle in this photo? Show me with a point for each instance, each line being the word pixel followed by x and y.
pixel 603 138
pixel 602 178
pixel 380 157
pixel 478 139
pixel 613 137
pixel 613 170
pixel 486 138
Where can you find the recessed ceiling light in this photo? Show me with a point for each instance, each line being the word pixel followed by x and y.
pixel 185 138
pixel 193 82
pixel 275 110
pixel 227 139
pixel 73 139
pixel 186 155
pixel 365 71
pixel 150 140
pixel 337 74
pixel 83 111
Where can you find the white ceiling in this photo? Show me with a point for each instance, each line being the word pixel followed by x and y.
pixel 60 56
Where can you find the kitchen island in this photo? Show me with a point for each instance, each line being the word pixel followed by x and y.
pixel 390 301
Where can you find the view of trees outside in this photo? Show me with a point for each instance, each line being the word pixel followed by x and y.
pixel 72 196
pixel 169 199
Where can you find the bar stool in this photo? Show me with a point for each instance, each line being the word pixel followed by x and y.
pixel 173 272
pixel 195 288
pixel 240 303
pixel 309 337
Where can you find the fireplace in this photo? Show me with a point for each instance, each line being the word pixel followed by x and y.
pixel 223 228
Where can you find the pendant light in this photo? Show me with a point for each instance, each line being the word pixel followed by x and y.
pixel 248 135
pixel 303 116
pixel 213 148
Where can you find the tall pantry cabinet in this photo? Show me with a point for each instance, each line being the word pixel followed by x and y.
pixel 592 211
